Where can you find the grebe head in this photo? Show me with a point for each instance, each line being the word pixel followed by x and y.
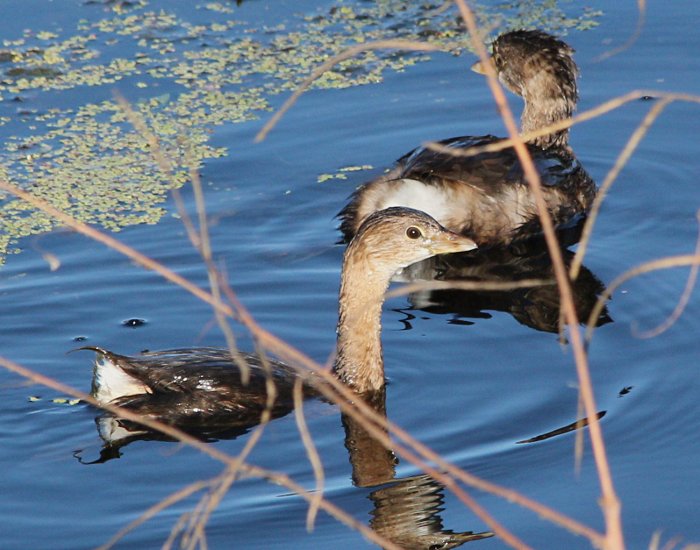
pixel 396 237
pixel 387 241
pixel 540 68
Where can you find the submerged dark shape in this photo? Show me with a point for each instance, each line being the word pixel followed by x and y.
pixel 200 389
pixel 485 196
pixel 537 307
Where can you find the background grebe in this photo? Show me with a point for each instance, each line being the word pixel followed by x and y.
pixel 486 197
pixel 201 386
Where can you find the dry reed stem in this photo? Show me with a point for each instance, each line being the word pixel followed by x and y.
pixel 175 531
pixel 641 17
pixel 199 239
pixel 622 159
pixel 314 458
pixel 196 529
pixel 249 470
pixel 646 267
pixel 614 538
pixel 683 300
pixel 409 45
pixel 151 512
pixel 407 288
pixel 583 116
pixel 212 500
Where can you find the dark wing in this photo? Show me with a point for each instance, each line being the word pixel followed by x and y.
pixel 488 171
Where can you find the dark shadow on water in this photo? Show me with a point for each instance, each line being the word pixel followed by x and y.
pixel 537 307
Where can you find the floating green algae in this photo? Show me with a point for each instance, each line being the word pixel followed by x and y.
pixel 185 78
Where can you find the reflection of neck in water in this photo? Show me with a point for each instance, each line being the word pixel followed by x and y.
pixel 406 511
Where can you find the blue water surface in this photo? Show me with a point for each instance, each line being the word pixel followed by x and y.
pixel 469 388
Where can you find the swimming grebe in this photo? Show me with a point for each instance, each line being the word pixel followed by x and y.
pixel 202 387
pixel 486 197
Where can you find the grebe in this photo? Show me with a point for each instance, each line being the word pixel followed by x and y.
pixel 486 197
pixel 202 387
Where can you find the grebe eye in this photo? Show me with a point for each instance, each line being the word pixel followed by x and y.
pixel 413 233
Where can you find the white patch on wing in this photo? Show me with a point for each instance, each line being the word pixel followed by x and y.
pixel 431 199
pixel 111 382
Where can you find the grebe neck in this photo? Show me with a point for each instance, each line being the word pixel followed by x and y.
pixel 359 362
pixel 543 111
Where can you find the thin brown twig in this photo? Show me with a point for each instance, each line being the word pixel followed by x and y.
pixel 683 300
pixel 349 53
pixel 312 453
pixel 610 503
pixel 646 267
pixel 641 17
pixel 583 116
pixel 175 531
pixel 151 512
pixel 481 286
pixel 199 239
pixel 212 274
pixel 622 159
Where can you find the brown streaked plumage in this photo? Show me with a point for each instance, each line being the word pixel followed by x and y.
pixel 201 387
pixel 486 197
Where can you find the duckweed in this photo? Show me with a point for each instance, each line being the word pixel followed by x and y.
pixel 87 160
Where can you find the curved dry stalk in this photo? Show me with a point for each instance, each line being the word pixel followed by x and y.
pixel 583 116
pixel 175 531
pixel 314 458
pixel 407 288
pixel 610 178
pixel 646 267
pixel 174 498
pixel 199 239
pixel 206 253
pixel 610 503
pixel 351 52
pixel 641 17
pixel 682 302
pixel 209 502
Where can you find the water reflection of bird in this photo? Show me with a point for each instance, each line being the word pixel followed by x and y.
pixel 407 512
pixel 537 306
pixel 201 389
pixel 486 197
